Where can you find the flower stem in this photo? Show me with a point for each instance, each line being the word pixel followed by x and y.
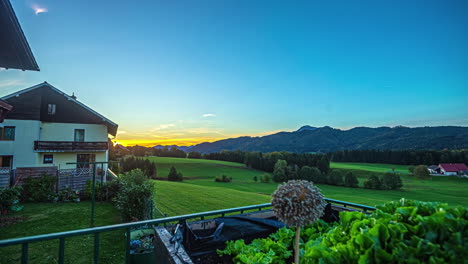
pixel 296 250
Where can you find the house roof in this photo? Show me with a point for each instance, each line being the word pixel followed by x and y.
pixel 4 109
pixel 453 167
pixel 14 48
pixel 112 127
pixel 433 167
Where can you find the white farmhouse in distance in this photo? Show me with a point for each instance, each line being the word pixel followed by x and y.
pixel 44 127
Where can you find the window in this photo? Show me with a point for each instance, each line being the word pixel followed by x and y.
pixel 51 109
pixel 6 161
pixel 80 158
pixel 48 159
pixel 79 135
pixel 7 133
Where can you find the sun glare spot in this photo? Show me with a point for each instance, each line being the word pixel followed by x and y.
pixel 38 9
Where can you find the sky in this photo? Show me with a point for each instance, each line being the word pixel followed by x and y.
pixel 185 72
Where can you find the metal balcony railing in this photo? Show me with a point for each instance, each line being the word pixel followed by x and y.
pixel 69 146
pixel 96 231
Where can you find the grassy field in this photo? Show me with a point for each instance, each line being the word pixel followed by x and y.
pixel 373 167
pixel 197 194
pixel 43 218
pixel 451 190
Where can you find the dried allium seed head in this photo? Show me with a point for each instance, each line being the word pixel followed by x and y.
pixel 298 203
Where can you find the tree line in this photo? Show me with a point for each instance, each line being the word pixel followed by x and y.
pixel 403 157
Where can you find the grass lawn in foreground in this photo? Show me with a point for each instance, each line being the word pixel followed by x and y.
pixel 44 218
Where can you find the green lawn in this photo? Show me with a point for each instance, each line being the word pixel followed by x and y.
pixel 197 194
pixel 373 167
pixel 43 218
pixel 451 190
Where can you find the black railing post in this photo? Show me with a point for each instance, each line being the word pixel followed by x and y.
pixel 127 246
pixel 24 253
pixel 96 248
pixel 61 250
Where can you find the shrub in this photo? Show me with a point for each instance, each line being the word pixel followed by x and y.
pixel 265 178
pixel 391 181
pixel 373 182
pixel 105 191
pixel 9 199
pixel 309 174
pixel 280 171
pixel 39 189
pixel 322 178
pixel 174 175
pixel 135 198
pixel 223 178
pixel 350 180
pixel 67 195
pixel 421 172
pixel 255 178
pixel 411 169
pixel 335 178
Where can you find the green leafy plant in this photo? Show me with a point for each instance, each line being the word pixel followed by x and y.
pixel 265 178
pixel 135 198
pixel 223 178
pixel 9 200
pixel 40 189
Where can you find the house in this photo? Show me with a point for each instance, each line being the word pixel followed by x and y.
pixel 45 129
pixel 452 168
pixel 433 169
pixel 121 150
pixel 14 48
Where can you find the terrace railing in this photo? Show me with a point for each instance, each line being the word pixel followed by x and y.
pixel 127 227
pixel 69 146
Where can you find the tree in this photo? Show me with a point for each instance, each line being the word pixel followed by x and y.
pixel 174 175
pixel 351 180
pixel 279 171
pixel 324 165
pixel 335 178
pixel 292 172
pixel 255 178
pixel 411 169
pixel 373 182
pixel 194 155
pixel 391 181
pixel 309 174
pixel 421 172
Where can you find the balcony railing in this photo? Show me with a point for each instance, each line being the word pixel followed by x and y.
pixel 66 146
pixel 126 227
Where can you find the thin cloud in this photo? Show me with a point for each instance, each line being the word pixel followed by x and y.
pixel 209 115
pixel 121 132
pixel 163 126
pixel 39 9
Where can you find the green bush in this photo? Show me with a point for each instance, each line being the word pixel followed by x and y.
pixel 309 174
pixel 280 171
pixel 105 191
pixel 9 199
pixel 40 189
pixel 350 180
pixel 174 175
pixel 135 198
pixel 255 178
pixel 373 182
pixel 397 232
pixel 421 172
pixel 391 181
pixel 223 178
pixel 335 178
pixel 265 178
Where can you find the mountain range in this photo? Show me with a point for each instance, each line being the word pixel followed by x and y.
pixel 328 139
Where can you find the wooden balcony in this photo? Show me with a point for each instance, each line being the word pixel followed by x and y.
pixel 69 146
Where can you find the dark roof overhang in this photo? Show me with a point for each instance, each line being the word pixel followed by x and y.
pixel 14 48
pixel 4 109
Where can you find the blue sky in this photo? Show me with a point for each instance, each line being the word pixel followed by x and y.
pixel 190 71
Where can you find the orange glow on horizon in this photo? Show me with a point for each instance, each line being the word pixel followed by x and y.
pixel 164 142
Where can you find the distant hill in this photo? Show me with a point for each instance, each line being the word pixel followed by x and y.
pixel 327 139
pixel 183 148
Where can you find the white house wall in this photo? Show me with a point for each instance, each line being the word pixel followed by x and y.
pixel 60 159
pixel 66 132
pixel 28 131
pixel 22 148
